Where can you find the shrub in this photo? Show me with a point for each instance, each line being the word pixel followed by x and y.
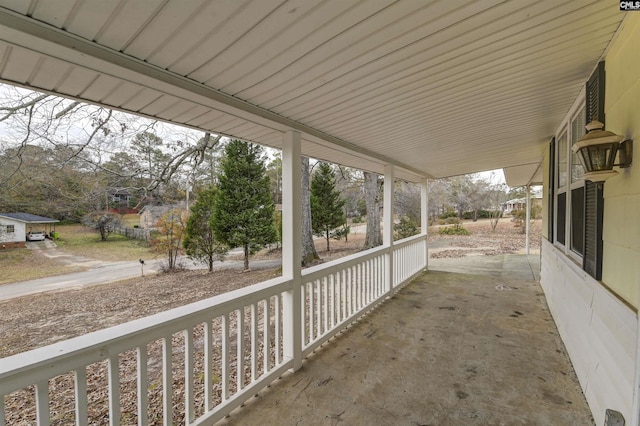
pixel 482 214
pixel 457 229
pixel 340 233
pixel 452 221
pixel 406 228
pixel 448 214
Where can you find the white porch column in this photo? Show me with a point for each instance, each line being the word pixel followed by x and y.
pixel 424 218
pixel 527 221
pixel 292 246
pixel 387 223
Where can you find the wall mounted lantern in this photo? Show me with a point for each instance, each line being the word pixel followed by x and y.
pixel 597 151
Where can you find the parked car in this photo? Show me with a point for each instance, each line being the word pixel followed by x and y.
pixel 36 236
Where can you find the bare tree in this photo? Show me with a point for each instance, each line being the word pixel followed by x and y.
pixel 373 236
pixel 86 138
pixel 496 195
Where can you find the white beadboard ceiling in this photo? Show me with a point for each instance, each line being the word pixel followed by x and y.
pixel 438 88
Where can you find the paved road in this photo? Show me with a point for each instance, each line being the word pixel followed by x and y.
pixel 100 272
pixel 107 272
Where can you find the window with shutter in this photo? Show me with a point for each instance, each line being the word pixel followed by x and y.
pixel 576 206
pixel 594 199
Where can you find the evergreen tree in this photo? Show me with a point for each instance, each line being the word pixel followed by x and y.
pixel 327 211
pixel 244 208
pixel 200 242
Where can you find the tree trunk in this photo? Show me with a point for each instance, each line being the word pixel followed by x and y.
pixel 246 257
pixel 309 253
pixel 327 237
pixel 373 237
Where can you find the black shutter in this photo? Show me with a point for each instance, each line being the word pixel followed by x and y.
pixel 593 197
pixel 593 208
pixel 552 189
pixel 595 95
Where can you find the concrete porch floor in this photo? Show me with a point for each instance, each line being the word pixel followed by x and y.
pixel 448 349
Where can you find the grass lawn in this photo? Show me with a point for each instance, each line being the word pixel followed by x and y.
pixel 82 241
pixel 75 240
pixel 130 220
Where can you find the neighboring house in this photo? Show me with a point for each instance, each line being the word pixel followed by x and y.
pixel 150 215
pixel 119 197
pixel 521 203
pixel 14 228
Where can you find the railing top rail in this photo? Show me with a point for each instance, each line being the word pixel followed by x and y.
pixel 318 271
pixel 66 355
pixel 409 240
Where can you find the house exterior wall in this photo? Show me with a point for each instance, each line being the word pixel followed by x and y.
pixel 19 234
pixel 621 232
pixel 598 330
pixel 598 321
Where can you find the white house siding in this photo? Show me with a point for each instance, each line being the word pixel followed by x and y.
pixel 19 234
pixel 621 232
pixel 598 330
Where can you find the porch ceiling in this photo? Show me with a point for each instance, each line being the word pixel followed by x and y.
pixel 438 88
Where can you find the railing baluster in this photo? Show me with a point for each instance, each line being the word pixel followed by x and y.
pixel 325 311
pixel 208 365
pixel 240 350
pixel 332 286
pixel 352 292
pixel 189 406
pixel 304 296
pixel 359 286
pixel 225 357
pixel 381 274
pixel 343 288
pixel 80 387
pixel 312 311
pixel 266 335
pixel 319 306
pixel 42 403
pixel 114 391
pixel 278 328
pixel 143 384
pixel 376 274
pixel 167 380
pixel 367 281
pixel 254 342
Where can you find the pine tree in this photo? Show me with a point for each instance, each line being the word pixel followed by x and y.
pixel 326 204
pixel 244 208
pixel 200 242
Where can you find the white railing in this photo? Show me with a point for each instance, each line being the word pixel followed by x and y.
pixel 336 293
pixel 409 258
pixel 196 363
